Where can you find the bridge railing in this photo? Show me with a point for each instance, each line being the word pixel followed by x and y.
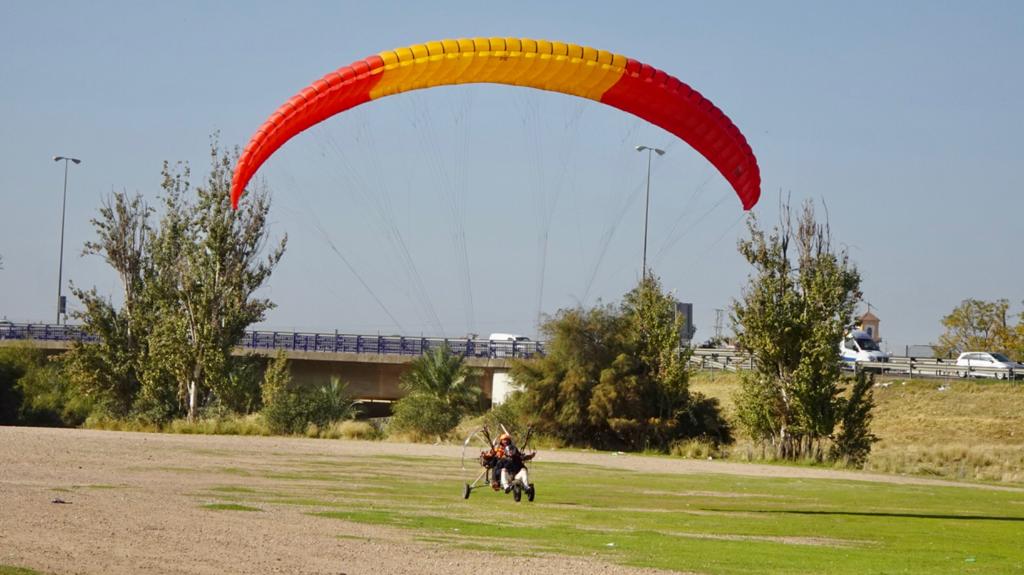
pixel 720 359
pixel 314 342
pixel 43 332
pixel 388 344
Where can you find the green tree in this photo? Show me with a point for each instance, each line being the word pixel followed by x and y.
pixel 210 263
pixel 853 442
pixel 277 378
pixel 977 325
pixel 795 308
pixel 644 395
pixel 581 343
pixel 441 374
pixel 655 324
pixel 617 378
pixel 440 389
pixel 109 368
pixel 188 295
pixel 1017 345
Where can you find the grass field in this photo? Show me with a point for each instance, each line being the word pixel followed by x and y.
pixel 11 570
pixel 959 429
pixel 702 523
pixel 695 523
pixel 330 506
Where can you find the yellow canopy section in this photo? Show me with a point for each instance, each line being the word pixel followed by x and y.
pixel 555 66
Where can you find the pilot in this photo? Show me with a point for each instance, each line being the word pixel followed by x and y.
pixel 510 466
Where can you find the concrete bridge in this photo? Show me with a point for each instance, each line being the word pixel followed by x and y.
pixel 375 377
pixel 371 365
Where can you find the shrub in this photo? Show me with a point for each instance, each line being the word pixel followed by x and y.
pixel 239 390
pixel 291 411
pixel 252 424
pixel 514 413
pixel 353 430
pixel 704 420
pixel 11 396
pixel 441 389
pixel 108 423
pixel 422 416
pixel 696 449
pixel 157 401
pixel 286 414
pixel 35 391
pixel 276 379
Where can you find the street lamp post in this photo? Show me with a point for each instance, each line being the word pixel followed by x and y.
pixel 60 267
pixel 647 203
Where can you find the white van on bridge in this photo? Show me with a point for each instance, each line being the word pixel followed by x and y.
pixel 859 347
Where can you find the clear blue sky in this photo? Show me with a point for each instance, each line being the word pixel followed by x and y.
pixel 903 117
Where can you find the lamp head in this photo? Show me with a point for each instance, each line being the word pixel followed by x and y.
pixel 660 152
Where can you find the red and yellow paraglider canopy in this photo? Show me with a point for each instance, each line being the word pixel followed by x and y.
pixel 581 71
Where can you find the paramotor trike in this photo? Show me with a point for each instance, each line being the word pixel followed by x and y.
pixel 493 460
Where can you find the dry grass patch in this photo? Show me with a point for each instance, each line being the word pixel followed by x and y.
pixel 971 430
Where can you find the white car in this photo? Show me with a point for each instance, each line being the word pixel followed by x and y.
pixel 510 345
pixel 988 364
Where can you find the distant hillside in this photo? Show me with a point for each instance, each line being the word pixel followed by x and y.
pixel 948 428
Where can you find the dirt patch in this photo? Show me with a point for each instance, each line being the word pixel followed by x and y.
pixel 146 518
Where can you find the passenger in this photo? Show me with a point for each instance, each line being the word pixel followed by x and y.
pixel 489 460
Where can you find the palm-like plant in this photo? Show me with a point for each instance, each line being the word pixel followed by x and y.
pixel 444 376
pixel 337 403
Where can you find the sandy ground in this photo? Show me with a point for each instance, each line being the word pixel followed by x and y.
pixel 151 523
